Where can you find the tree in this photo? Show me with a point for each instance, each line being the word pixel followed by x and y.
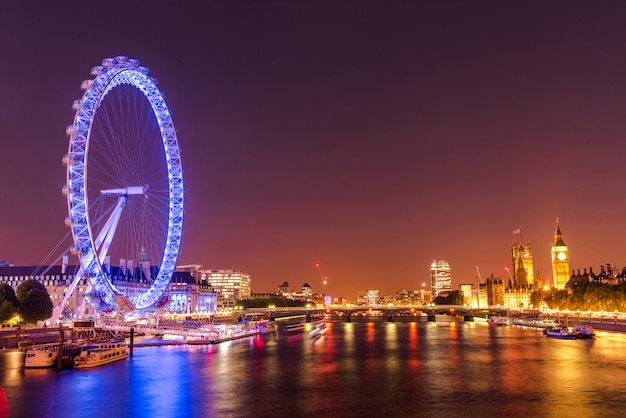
pixel 27 286
pixel 34 302
pixel 8 302
pixel 36 306
pixel 536 298
pixel 453 298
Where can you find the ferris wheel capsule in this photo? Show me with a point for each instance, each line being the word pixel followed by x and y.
pixel 98 69
pixel 86 84
pixel 76 104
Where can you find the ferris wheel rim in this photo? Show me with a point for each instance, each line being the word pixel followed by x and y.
pixel 113 73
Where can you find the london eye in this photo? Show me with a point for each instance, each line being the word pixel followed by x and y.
pixel 124 187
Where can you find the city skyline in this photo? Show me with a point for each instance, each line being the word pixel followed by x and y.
pixel 371 138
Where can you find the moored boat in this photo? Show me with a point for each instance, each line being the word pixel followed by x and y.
pixel 585 331
pixel 500 320
pixel 95 355
pixel 46 355
pixel 561 333
pixel 39 357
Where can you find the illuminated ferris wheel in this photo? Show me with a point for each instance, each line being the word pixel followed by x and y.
pixel 124 187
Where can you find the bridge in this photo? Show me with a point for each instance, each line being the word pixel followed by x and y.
pixel 390 312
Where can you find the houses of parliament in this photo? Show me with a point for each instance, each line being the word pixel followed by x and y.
pixel 514 291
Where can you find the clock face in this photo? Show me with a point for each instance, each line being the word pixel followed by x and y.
pixel 561 256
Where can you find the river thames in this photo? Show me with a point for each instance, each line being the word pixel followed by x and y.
pixel 368 369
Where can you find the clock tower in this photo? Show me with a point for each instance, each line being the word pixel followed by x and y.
pixel 560 259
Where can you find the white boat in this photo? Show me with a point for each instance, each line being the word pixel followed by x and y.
pixel 500 320
pixel 585 331
pixel 45 355
pixel 41 356
pixel 318 329
pixel 561 333
pixel 295 328
pixel 95 355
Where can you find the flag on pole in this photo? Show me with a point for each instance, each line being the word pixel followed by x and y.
pixel 517 231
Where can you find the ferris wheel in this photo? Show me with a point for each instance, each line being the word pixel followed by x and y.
pixel 124 187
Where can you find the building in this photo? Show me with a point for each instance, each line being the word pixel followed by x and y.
pixel 373 297
pixel 186 295
pixel 560 260
pixel 517 298
pixel 191 296
pixel 495 291
pixel 523 259
pixel 469 294
pixel 56 279
pixel 229 285
pixel 440 277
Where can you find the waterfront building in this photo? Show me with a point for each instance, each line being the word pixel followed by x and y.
pixel 495 291
pixel 522 255
pixel 468 293
pixel 440 277
pixel 482 296
pixel 229 285
pixel 190 295
pixel 186 295
pixel 517 298
pixel 560 260
pixel 56 279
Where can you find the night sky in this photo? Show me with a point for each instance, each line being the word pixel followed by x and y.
pixel 372 137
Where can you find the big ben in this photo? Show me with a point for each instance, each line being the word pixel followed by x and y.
pixel 560 259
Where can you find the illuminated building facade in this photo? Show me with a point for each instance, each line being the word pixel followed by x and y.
pixel 229 285
pixel 185 295
pixel 560 260
pixel 373 297
pixel 56 280
pixel 495 291
pixel 517 298
pixel 523 260
pixel 440 277
pixel 469 294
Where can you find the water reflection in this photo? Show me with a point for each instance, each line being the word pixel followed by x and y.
pixel 356 369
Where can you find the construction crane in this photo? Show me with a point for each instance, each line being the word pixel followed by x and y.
pixel 480 279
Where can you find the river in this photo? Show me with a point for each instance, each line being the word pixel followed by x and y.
pixel 368 369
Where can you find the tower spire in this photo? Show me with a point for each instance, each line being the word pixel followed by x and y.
pixel 558 236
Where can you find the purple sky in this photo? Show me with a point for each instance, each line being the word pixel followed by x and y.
pixel 372 137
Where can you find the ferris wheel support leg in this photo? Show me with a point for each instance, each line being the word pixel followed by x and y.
pixel 58 310
pixel 105 237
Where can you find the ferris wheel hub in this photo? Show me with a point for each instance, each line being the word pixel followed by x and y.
pixel 125 191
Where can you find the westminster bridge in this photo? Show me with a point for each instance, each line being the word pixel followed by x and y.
pixel 391 312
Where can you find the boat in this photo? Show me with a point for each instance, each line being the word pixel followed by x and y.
pixel 94 355
pixel 585 331
pixel 295 328
pixel 46 355
pixel 318 330
pixel 561 333
pixel 269 327
pixel 499 320
pixel 41 356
